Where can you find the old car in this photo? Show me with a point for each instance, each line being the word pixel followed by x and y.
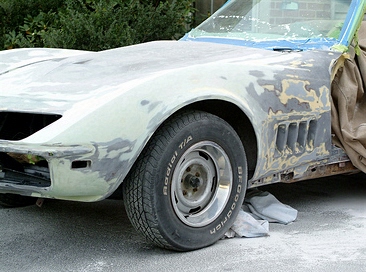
pixel 185 127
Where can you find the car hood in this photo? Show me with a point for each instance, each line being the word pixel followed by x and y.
pixel 55 80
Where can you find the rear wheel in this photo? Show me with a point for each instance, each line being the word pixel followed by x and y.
pixel 187 188
pixel 13 201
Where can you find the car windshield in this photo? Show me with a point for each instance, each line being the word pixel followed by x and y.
pixel 263 21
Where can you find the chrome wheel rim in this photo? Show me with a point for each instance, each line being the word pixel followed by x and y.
pixel 201 184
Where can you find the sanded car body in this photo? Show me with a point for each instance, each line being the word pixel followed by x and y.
pixel 107 105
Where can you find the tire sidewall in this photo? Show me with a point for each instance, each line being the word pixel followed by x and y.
pixel 177 233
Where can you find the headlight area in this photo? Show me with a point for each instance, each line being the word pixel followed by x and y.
pixel 15 126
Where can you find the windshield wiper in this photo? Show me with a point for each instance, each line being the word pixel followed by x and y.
pixel 287 49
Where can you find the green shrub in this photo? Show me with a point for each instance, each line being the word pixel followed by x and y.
pixel 91 26
pixel 15 13
pixel 94 24
pixel 32 32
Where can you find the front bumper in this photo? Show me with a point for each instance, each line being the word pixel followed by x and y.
pixel 65 171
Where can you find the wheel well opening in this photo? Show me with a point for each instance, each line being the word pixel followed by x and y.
pixel 238 120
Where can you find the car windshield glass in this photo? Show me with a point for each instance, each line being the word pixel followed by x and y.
pixel 268 20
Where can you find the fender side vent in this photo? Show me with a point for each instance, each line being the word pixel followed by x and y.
pixel 295 137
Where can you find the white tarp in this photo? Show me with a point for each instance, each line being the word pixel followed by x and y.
pixel 260 209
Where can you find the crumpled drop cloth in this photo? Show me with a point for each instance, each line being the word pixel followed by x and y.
pixel 260 209
pixel 246 225
pixel 265 206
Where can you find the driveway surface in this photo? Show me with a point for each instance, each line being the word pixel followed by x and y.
pixel 328 235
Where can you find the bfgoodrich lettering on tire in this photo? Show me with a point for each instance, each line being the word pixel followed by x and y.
pixel 189 183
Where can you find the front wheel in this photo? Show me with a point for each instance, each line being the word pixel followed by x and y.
pixel 187 187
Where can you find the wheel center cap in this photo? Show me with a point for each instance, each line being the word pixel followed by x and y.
pixel 194 182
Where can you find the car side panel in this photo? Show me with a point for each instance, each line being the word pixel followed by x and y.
pixel 279 90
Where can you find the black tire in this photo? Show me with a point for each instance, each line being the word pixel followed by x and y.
pixel 13 201
pixel 175 195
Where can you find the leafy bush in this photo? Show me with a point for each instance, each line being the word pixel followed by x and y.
pixel 14 14
pixel 95 24
pixel 32 32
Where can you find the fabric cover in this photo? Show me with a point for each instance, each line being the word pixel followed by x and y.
pixel 349 103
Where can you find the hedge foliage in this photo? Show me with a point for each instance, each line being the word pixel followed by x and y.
pixel 91 24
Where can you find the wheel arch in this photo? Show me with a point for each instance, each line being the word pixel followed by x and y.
pixel 232 114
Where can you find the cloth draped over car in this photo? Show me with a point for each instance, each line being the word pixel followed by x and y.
pixel 349 102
